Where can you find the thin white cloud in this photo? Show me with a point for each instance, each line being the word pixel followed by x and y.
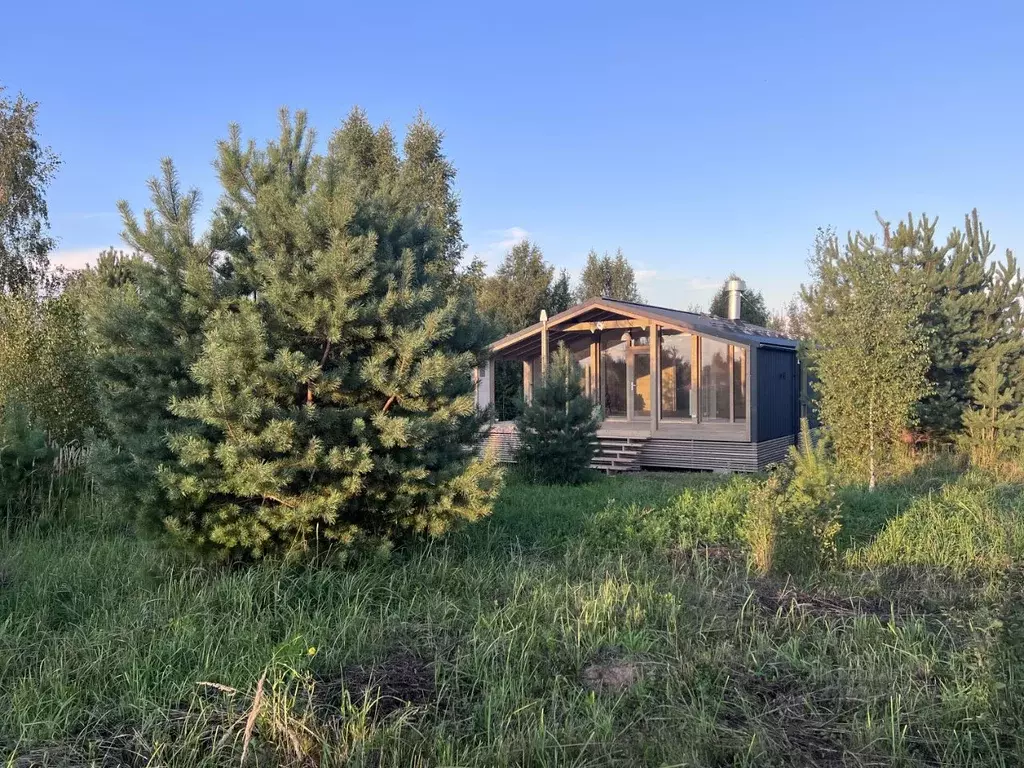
pixel 654 276
pixel 703 284
pixel 501 242
pixel 76 258
pixel 674 289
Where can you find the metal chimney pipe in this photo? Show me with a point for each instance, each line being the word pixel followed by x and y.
pixel 735 289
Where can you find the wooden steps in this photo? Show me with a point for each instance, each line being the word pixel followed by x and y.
pixel 618 454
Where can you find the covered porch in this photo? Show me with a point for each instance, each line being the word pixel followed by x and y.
pixel 652 372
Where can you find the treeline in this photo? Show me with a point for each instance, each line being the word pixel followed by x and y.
pixel 524 284
pixel 915 339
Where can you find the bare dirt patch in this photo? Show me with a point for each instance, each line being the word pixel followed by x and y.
pixel 718 556
pixel 609 672
pixel 785 598
pixel 802 723
pixel 124 750
pixel 397 682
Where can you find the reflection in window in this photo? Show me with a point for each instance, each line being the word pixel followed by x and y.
pixel 536 376
pixel 641 384
pixel 739 384
pixel 580 351
pixel 714 380
pixel 613 370
pixel 676 351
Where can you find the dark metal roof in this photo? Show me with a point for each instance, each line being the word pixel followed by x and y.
pixel 736 330
pixel 595 309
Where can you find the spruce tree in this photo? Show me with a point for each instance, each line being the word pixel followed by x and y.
pixel 558 429
pixel 868 351
pixel 332 401
pixel 559 294
pixel 994 421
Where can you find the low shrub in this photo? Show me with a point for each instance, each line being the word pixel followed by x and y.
pixel 44 363
pixel 40 481
pixel 792 518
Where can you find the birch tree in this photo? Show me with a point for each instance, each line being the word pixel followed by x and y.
pixel 869 351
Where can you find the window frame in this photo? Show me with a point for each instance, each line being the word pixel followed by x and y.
pixel 697 379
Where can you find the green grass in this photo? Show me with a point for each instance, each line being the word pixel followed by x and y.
pixel 485 646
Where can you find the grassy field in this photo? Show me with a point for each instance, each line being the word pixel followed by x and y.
pixel 614 624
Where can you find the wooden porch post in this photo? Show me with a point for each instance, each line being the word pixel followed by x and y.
pixel 595 373
pixel 491 373
pixel 655 347
pixel 544 342
pixel 527 381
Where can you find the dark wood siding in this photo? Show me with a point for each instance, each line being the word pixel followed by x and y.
pixel 778 393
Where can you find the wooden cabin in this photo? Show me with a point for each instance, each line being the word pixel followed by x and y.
pixel 675 389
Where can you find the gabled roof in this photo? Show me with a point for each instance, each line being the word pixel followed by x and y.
pixel 708 325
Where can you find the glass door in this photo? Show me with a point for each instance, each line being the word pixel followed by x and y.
pixel 615 372
pixel 640 385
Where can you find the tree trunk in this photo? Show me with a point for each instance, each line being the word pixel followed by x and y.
pixel 871 446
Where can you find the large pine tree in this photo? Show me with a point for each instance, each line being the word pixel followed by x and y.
pixel 329 401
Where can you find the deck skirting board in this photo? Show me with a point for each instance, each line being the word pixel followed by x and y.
pixel 669 453
pixel 503 439
pixel 773 451
pixel 673 453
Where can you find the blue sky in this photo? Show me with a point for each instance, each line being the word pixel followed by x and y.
pixel 701 138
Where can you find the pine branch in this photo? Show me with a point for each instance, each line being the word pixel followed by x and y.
pixel 282 502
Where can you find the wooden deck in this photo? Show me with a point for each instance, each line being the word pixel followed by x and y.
pixel 672 447
pixel 679 430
